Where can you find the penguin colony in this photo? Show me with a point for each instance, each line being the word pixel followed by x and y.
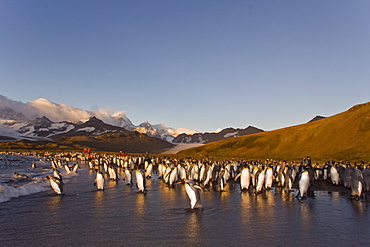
pixel 201 175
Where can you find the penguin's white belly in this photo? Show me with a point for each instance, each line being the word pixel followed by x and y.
pixel 192 196
pixel 268 178
pixel 304 183
pixel 100 181
pixel 140 181
pixel 261 181
pixel 245 179
pixel 56 187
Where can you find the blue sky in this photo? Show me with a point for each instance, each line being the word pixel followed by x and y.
pixel 200 65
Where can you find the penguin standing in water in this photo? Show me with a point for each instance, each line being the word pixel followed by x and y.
pixel 289 181
pixel 140 181
pixel 128 176
pixel 57 174
pixel 245 178
pixel 149 170
pixel 269 177
pixel 357 183
pixel 173 177
pixel 221 180
pixel 68 169
pixel 56 184
pixel 303 183
pixel 75 168
pixel 366 176
pixel 99 180
pixel 193 192
pixel 334 175
pixel 348 171
pixel 112 173
pixel 260 180
pixel 311 171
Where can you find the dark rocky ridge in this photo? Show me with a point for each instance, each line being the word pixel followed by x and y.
pixel 213 136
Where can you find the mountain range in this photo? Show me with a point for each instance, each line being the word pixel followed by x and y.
pixel 40 119
pixel 72 128
pixel 215 136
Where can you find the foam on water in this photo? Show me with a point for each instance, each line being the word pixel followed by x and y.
pixel 8 192
pixel 31 180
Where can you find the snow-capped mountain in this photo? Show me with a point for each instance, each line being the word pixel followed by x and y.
pixel 215 136
pixel 39 128
pixel 162 131
pixel 44 119
pixel 92 127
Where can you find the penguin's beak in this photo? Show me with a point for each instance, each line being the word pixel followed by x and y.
pixel 181 182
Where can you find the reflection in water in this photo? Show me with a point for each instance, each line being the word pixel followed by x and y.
pixel 246 202
pixel 265 202
pixel 306 215
pixel 111 183
pixel 225 199
pixel 336 197
pixel 54 206
pixel 140 207
pixel 99 203
pixel 194 231
pixel 54 203
pixel 287 196
pixel 359 206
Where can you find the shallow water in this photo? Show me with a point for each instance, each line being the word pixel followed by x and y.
pixel 119 216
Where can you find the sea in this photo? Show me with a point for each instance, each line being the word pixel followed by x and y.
pixel 31 214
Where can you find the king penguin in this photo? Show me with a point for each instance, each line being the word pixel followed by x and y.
pixel 245 178
pixel 57 174
pixel 56 184
pixel 149 170
pixel 140 181
pixel 366 175
pixel 75 168
pixel 260 180
pixel 193 192
pixel 269 177
pixel 99 180
pixel 128 176
pixel 357 183
pixel 222 180
pixel 112 173
pixel 334 175
pixel 68 169
pixel 303 183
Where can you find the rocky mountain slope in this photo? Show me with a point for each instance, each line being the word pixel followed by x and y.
pixel 215 136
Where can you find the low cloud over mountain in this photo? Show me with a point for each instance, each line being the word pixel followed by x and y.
pixel 16 117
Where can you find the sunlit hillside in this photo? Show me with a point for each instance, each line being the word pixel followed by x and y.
pixel 345 136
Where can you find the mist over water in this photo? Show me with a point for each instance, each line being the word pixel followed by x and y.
pixel 119 216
